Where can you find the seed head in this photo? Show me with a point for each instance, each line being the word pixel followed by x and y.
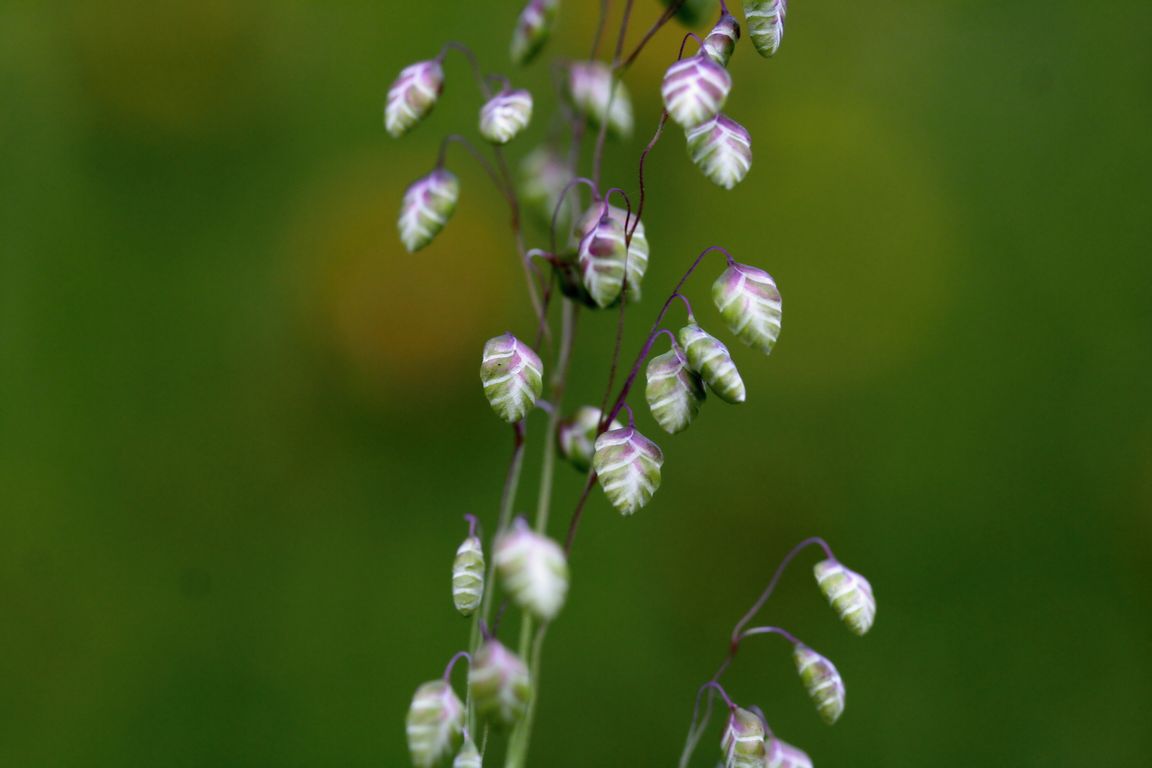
pixel 603 257
pixel 435 722
pixel 576 436
pixel 499 682
pixel 628 467
pixel 750 305
pixel 822 681
pixel 722 149
pixel 849 593
pixel 533 569
pixel 695 90
pixel 512 375
pixel 428 204
pixel 743 742
pixel 720 43
pixel 590 86
pixel 781 754
pixel 505 115
pixel 412 96
pixel 708 357
pixel 766 24
pixel 468 576
pixel 675 393
pixel 533 29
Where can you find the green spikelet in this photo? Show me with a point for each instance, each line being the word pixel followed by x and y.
pixel 750 304
pixel 822 681
pixel 468 756
pixel 766 24
pixel 628 467
pixel 499 682
pixel 468 576
pixel 512 375
pixel 849 593
pixel 708 357
pixel 674 393
pixel 435 723
pixel 576 436
pixel 743 743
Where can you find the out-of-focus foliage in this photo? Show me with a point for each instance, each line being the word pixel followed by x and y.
pixel 240 425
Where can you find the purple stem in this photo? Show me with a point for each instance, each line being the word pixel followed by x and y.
pixel 687 306
pixel 664 19
pixel 452 663
pixel 472 523
pixel 455 138
pixel 454 45
pixel 775 580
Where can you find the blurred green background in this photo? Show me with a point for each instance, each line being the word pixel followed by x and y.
pixel 239 425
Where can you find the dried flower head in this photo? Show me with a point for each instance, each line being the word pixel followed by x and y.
pixel 412 96
pixel 576 436
pixel 766 24
pixel 743 742
pixel 750 305
pixel 722 149
pixel 628 467
pixel 468 756
pixel 849 593
pixel 499 683
pixel 468 576
pixel 533 28
pixel 822 681
pixel 428 204
pixel 695 89
pixel 781 754
pixel 590 86
pixel 533 569
pixel 505 115
pixel 708 357
pixel 512 375
pixel 435 723
pixel 720 43
pixel 603 256
pixel 675 392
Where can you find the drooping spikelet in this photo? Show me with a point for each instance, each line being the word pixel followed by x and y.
pixel 428 204
pixel 469 756
pixel 533 570
pixel 628 467
pixel 849 593
pixel 533 28
pixel 722 149
pixel 412 96
pixel 750 304
pixel 505 115
pixel 435 723
pixel 822 681
pixel 720 43
pixel 590 86
pixel 468 576
pixel 602 255
pixel 708 357
pixel 766 24
pixel 695 89
pixel 576 436
pixel 512 375
pixel 544 174
pixel 674 392
pixel 743 742
pixel 499 682
pixel 781 754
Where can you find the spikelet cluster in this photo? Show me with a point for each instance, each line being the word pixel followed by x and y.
pixel 505 115
pixel 468 576
pixel 598 96
pixel 849 593
pixel 412 96
pixel 750 305
pixel 428 204
pixel 722 149
pixel 781 754
pixel 543 176
pixel 533 569
pixel 499 683
pixel 512 375
pixel 576 436
pixel 627 466
pixel 708 357
pixel 468 756
pixel 435 723
pixel 743 743
pixel 695 89
pixel 533 28
pixel 605 257
pixel 766 24
pixel 822 681
pixel 720 43
pixel 675 392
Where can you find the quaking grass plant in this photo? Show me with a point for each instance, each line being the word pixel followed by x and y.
pixel 594 260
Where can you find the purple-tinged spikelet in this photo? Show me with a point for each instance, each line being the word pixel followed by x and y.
pixel 822 681
pixel 695 89
pixel 781 754
pixel 512 375
pixel 533 570
pixel 576 436
pixel 412 96
pixel 708 357
pixel 674 392
pixel 590 86
pixel 533 28
pixel 849 593
pixel 722 149
pixel 720 43
pixel 750 304
pixel 468 756
pixel 468 576
pixel 428 204
pixel 601 254
pixel 499 683
pixel 435 723
pixel 628 467
pixel 743 742
pixel 766 24
pixel 505 115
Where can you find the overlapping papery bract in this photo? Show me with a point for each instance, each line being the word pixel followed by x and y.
pixel 435 723
pixel 781 754
pixel 849 593
pixel 766 24
pixel 590 86
pixel 627 465
pixel 533 28
pixel 822 681
pixel 428 204
pixel 468 756
pixel 720 43
pixel 708 357
pixel 576 436
pixel 468 576
pixel 544 175
pixel 743 742
pixel 750 304
pixel 603 257
pixel 512 375
pixel 500 684
pixel 412 96
pixel 505 115
pixel 674 392
pixel 533 569
pixel 722 149
pixel 695 89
